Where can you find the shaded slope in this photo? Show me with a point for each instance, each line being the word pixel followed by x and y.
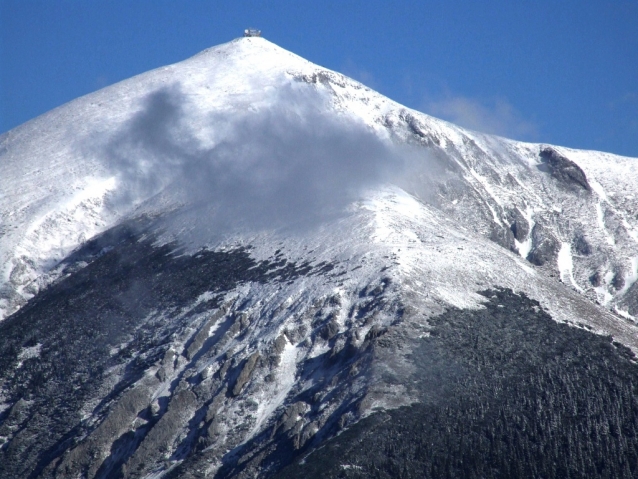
pixel 506 393
pixel 56 351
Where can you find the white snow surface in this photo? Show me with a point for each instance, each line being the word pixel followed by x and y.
pixel 146 145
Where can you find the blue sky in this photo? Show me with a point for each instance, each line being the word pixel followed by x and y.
pixel 562 72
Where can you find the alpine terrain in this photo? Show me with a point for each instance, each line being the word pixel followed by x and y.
pixel 245 265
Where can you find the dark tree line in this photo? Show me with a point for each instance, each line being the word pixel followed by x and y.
pixel 506 393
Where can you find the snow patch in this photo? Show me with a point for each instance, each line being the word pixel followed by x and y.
pixel 598 188
pixel 285 379
pixel 459 298
pixel 525 246
pixel 604 297
pixel 29 353
pixel 631 276
pixel 566 265
pixel 351 466
pixel 623 313
pixel 601 224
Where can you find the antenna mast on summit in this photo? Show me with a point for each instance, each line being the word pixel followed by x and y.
pixel 252 32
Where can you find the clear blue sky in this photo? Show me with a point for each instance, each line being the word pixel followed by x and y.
pixel 562 72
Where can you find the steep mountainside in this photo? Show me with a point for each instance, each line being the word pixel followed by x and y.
pixel 246 265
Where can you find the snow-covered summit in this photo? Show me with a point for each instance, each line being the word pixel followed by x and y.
pixel 253 137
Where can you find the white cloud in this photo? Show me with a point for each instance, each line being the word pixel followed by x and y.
pixel 362 75
pixel 496 116
pixel 101 81
pixel 628 99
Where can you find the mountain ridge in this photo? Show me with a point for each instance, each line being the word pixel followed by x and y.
pixel 239 256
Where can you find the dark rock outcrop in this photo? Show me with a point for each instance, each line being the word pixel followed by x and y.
pixel 503 236
pixel 246 372
pixel 544 246
pixel 568 173
pixel 581 245
pixel 518 225
pixel 629 301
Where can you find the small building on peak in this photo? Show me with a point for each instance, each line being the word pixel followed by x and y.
pixel 252 32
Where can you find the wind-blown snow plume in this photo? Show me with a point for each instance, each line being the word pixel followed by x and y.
pixel 288 163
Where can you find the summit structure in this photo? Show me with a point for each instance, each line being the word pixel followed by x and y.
pixel 252 32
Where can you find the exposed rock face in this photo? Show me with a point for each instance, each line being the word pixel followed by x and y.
pixel 630 303
pixel 544 246
pixel 564 170
pixel 96 345
pixel 162 436
pixel 167 378
pixel 581 245
pixel 519 225
pixel 246 371
pixel 503 236
pixel 618 280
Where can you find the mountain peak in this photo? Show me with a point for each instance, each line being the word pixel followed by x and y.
pixel 252 117
pixel 251 53
pixel 215 267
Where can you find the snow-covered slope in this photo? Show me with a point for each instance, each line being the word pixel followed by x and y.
pixel 350 220
pixel 59 179
pixel 77 170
